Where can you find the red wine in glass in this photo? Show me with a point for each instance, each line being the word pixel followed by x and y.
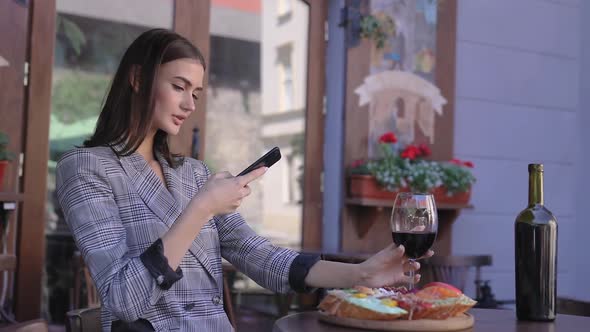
pixel 414 223
pixel 416 243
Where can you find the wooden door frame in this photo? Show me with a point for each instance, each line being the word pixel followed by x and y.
pixel 314 127
pixel 31 224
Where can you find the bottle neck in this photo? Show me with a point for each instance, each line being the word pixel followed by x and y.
pixel 536 188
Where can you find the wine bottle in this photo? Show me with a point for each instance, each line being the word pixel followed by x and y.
pixel 535 244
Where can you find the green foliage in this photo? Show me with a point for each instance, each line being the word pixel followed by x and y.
pixel 377 28
pixel 4 154
pixel 78 96
pixel 74 35
pixel 388 172
pixel 456 178
pixel 394 172
pixel 422 175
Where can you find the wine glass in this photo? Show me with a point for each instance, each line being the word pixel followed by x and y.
pixel 414 223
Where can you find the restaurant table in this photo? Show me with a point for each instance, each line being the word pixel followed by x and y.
pixel 486 320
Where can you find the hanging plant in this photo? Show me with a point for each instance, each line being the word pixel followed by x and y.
pixel 377 28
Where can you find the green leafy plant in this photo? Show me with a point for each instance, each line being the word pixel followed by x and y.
pixel 377 28
pixel 398 167
pixel 456 176
pixel 4 153
pixel 78 95
pixel 74 35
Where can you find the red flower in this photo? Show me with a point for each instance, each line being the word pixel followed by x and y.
pixel 357 163
pixel 388 137
pixel 461 163
pixel 410 152
pixel 424 150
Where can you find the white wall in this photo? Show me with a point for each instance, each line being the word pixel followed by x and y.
pixel 583 160
pixel 517 102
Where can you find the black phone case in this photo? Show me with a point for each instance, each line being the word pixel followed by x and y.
pixel 269 159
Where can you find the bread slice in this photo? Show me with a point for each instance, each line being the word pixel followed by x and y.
pixel 351 303
pixel 435 301
pixel 438 301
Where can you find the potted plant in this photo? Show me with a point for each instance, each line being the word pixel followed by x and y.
pixel 5 156
pixel 405 168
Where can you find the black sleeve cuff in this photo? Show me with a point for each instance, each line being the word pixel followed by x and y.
pixel 157 264
pixel 299 270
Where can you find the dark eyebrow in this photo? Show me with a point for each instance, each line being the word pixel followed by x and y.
pixel 187 82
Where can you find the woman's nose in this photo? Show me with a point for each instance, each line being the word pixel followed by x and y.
pixel 188 103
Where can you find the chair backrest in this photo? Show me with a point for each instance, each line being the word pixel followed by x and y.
pixel 228 270
pixel 83 320
pixel 83 284
pixel 454 269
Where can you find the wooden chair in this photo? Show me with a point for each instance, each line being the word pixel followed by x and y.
pixel 7 264
pixel 83 320
pixel 84 314
pixel 228 270
pixel 83 285
pixel 282 302
pixel 453 269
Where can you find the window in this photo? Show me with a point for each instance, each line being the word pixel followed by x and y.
pixel 285 70
pixel 284 7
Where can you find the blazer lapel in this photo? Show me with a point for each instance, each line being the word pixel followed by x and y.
pixel 166 203
pixel 182 195
pixel 150 188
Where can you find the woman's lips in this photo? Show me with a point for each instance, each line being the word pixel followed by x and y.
pixel 177 120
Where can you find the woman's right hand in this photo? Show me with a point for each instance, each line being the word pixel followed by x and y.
pixel 223 192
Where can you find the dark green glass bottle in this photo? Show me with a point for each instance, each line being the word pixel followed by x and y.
pixel 536 255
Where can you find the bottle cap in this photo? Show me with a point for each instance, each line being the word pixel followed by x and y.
pixel 535 167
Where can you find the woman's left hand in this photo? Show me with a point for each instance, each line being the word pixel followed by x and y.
pixel 388 268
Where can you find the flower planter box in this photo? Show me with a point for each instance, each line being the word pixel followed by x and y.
pixel 441 196
pixel 368 187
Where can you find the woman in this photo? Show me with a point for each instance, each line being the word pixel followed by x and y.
pixel 152 226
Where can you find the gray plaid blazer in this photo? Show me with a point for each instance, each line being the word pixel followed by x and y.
pixel 117 207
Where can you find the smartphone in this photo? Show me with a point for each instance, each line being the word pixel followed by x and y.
pixel 267 160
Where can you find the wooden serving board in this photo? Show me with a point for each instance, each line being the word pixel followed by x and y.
pixel 461 322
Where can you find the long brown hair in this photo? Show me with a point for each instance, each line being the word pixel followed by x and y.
pixel 126 115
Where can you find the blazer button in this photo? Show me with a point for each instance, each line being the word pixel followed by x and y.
pixel 160 280
pixel 189 306
pixel 216 299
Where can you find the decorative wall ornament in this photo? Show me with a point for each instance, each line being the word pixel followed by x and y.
pixel 400 101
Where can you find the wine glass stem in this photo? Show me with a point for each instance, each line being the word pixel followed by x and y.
pixel 411 273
